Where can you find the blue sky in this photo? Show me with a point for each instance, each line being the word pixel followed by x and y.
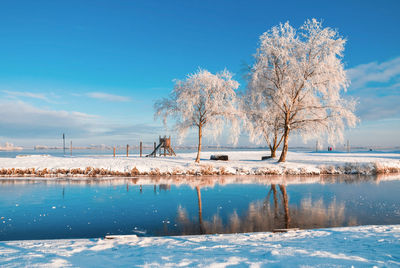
pixel 93 69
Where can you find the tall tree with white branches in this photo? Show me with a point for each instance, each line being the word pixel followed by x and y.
pixel 302 80
pixel 204 101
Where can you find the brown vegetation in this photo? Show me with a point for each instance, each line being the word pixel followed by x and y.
pixel 202 170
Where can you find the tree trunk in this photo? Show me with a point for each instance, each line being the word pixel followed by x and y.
pixel 199 146
pixel 273 147
pixel 275 142
pixel 285 144
pixel 273 152
pixel 200 210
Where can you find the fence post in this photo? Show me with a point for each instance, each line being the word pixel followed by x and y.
pixel 155 146
pixel 141 149
pixel 114 151
pixel 64 143
pixel 127 150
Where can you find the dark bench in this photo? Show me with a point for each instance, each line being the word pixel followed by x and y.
pixel 219 157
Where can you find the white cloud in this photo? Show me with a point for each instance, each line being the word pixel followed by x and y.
pixel 383 72
pixel 26 94
pixel 377 108
pixel 108 97
pixel 24 121
pixel 377 87
pixel 21 119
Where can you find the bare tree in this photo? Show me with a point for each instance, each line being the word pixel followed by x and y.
pixel 303 79
pixel 204 101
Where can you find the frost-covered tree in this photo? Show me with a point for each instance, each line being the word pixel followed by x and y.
pixel 204 101
pixel 261 118
pixel 303 79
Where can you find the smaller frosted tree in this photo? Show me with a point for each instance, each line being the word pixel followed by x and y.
pixel 204 101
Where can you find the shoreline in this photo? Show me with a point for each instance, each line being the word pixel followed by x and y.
pixel 246 163
pixel 96 174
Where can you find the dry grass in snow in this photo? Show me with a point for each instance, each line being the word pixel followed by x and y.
pixel 240 163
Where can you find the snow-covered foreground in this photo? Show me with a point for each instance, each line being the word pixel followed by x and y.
pixel 358 246
pixel 240 163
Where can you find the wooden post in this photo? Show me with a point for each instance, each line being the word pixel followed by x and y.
pixel 127 150
pixel 141 147
pixel 155 146
pixel 64 143
pixel 114 151
pixel 159 150
pixel 70 147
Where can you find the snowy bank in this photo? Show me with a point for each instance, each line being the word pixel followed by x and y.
pixel 240 163
pixel 358 246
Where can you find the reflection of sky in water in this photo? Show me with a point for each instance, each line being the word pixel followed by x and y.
pixel 65 210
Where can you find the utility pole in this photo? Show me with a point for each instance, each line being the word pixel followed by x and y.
pixel 64 143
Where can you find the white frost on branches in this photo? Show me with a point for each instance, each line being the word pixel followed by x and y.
pixel 299 77
pixel 202 100
pixel 261 120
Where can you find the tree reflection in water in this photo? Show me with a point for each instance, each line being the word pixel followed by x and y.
pixel 140 202
pixel 264 216
pixel 200 210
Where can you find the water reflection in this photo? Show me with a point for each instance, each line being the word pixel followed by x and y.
pixel 72 208
pixel 267 216
pixel 202 181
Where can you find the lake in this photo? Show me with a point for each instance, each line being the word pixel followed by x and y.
pixel 79 208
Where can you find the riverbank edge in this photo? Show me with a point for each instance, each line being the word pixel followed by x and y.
pixel 202 170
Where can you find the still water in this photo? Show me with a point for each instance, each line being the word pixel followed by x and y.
pixel 62 208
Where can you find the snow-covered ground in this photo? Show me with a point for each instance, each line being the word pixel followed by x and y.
pixel 365 246
pixel 240 163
